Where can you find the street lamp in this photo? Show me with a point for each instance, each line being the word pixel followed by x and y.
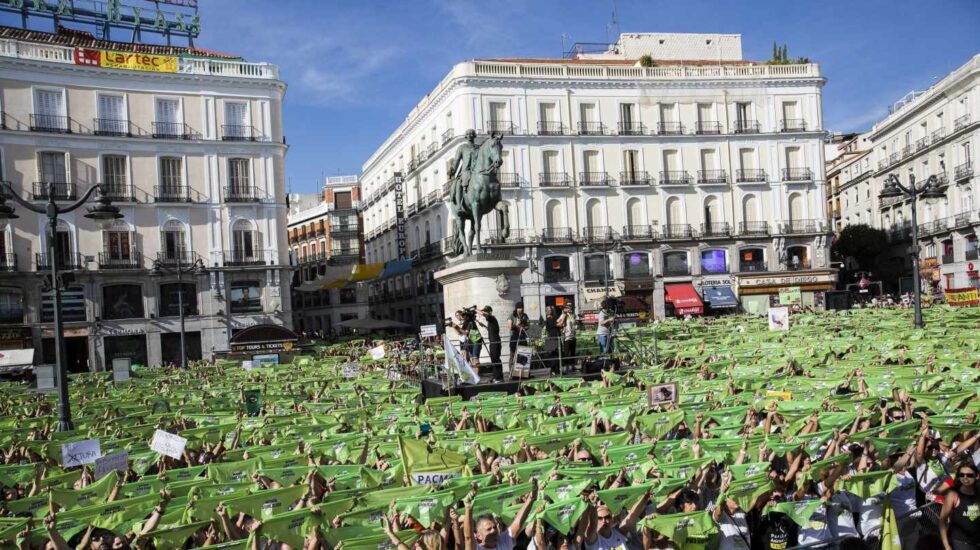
pixel 197 268
pixel 931 190
pixel 103 213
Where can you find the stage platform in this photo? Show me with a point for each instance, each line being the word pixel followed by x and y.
pixel 433 388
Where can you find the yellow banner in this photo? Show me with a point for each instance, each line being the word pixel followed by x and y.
pixel 138 61
pixel 962 297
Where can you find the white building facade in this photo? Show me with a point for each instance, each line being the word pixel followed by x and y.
pixel 191 150
pixel 701 171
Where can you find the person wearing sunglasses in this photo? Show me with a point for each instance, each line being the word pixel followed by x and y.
pixel 959 520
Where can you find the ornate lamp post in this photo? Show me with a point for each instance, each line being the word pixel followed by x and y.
pixel 195 269
pixel 932 189
pixel 104 213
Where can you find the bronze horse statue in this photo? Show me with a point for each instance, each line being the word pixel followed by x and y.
pixel 481 196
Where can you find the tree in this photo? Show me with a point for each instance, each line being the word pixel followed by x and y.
pixel 861 242
pixel 646 60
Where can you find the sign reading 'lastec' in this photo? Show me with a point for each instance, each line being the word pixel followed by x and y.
pixel 131 61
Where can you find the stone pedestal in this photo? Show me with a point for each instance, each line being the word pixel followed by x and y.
pixel 495 283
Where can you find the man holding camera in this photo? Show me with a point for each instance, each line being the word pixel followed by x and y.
pixel 604 329
pixel 492 327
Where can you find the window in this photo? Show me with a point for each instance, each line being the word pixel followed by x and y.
pixel 587 112
pixel 72 305
pixel 348 296
pixel 590 164
pixel 114 175
pixel 556 268
pixel 548 113
pixel 549 162
pixel 167 111
pixel 170 299
pixel 112 116
pixel 11 305
pixel 709 159
pixel 746 159
pixel 246 296
pixel 675 263
pixel 791 115
pixel 797 257
pixel 238 177
pixel 171 177
pixel 706 114
pixel 62 244
pixel 53 167
pixel 631 164
pixel 598 268
pixel 122 302
pixel 636 265
pixel 714 261
pixel 243 237
pixel 236 120
pixel 117 243
pixel 668 113
pixel 752 259
pixel 554 216
pixel 49 111
pixel 173 242
pixel 671 161
pixel 498 115
pixel 743 115
pixel 342 200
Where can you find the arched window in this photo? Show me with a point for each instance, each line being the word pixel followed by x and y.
pixel 675 263
pixel 554 217
pixel 675 211
pixel 122 302
pixel 714 260
pixel 63 245
pixel 634 213
pixel 797 257
pixel 173 242
pixel 967 200
pixel 428 233
pixel 712 213
pixel 752 259
pixel 750 209
pixel 438 236
pixel 795 207
pixel 244 239
pixel 593 212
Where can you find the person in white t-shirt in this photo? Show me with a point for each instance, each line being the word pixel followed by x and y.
pixel 485 533
pixel 605 535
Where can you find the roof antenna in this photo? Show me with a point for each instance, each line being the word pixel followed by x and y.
pixel 614 24
pixel 564 37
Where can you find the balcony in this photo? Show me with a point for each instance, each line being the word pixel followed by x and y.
pixel 171 130
pixel 8 262
pixel 177 258
pixel 800 227
pixel 937 135
pixel 712 176
pixel 961 122
pixel 947 259
pixel 635 177
pixel 707 128
pixel 241 193
pixel 750 175
pixel 66 261
pixel 238 132
pixel 752 265
pixel 963 171
pixel 509 179
pixel 961 220
pixel 553 179
pixel 503 127
pixel 556 235
pixel 112 127
pixel 753 229
pixel 343 231
pixel 118 192
pixel 238 257
pixel 591 129
pixel 792 125
pixel 906 151
pixel 715 230
pixel 593 179
pixel 670 128
pixel 55 124
pixel 631 128
pixel 797 174
pixel 514 236
pixel 598 234
pixel 59 191
pixel 121 259
pixel 921 143
pixel 747 127
pixel 447 136
pixel 171 193
pixel 550 128
pixel 675 177
pixel 638 233
pixel 678 231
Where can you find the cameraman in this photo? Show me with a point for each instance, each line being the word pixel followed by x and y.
pixel 518 324
pixel 605 327
pixel 474 339
pixel 566 323
pixel 493 341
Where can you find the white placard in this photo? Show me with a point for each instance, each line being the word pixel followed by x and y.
pixel 433 478
pixel 77 453
pixel 662 394
pixel 116 462
pixel 350 370
pixel 247 365
pixel 394 375
pixel 779 318
pixel 45 377
pixel 427 331
pixel 168 444
pixel 120 369
pixel 378 352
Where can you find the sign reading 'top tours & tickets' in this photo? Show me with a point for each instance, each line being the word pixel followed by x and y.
pixel 133 61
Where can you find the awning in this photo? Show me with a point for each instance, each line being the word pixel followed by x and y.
pixel 719 296
pixel 396 267
pixel 356 273
pixel 685 299
pixel 10 358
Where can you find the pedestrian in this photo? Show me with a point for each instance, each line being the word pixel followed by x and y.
pixel 959 520
pixel 604 328
pixel 490 324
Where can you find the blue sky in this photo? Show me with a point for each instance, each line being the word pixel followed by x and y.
pixel 356 67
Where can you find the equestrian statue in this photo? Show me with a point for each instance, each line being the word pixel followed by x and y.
pixel 475 191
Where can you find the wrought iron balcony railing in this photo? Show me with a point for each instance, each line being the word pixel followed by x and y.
pixel 715 229
pixel 793 125
pixel 593 179
pixel 712 176
pixel 130 258
pixel 550 128
pixel 241 193
pixel 171 193
pixel 591 129
pixel 797 174
pixel 238 132
pixel 112 127
pixel 59 191
pixel 556 234
pixel 240 257
pixel 707 127
pixel 747 127
pixel 503 127
pixel 678 231
pixel 66 261
pixel 50 123
pixel 670 128
pixel 675 177
pixel 750 175
pixel 171 130
pixel 635 177
pixel 630 128
pixel 553 179
pixel 753 229
pixel 639 232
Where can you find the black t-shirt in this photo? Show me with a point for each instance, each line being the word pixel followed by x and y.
pixel 493 330
pixel 774 531
pixel 517 321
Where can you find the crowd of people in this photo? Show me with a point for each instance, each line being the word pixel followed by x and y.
pixel 847 431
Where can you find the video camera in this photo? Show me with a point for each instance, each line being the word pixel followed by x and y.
pixel 612 304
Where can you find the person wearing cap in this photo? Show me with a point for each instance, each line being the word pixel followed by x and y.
pixel 518 325
pixel 489 322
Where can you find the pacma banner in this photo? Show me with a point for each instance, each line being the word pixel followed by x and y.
pixel 126 60
pixel 962 296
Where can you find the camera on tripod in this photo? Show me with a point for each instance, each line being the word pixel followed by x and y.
pixel 612 304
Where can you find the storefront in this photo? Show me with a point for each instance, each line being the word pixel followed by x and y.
pixel 682 299
pixel 717 292
pixel 264 344
pixel 131 346
pixel 758 292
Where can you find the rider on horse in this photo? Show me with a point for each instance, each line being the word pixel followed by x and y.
pixel 462 166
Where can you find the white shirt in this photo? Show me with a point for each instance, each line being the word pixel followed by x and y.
pixel 734 531
pixel 903 496
pixel 817 529
pixel 504 542
pixel 616 541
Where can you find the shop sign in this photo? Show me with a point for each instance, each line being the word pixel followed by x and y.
pixel 598 293
pixel 131 61
pixel 554 288
pixel 962 297
pixel 68 332
pixel 262 347
pixel 790 295
pixel 716 280
pixel 15 337
pixel 122 332
pixel 787 280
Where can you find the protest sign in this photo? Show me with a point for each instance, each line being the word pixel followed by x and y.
pixel 522 362
pixel 783 395
pixel 247 365
pixel 120 369
pixel 168 444
pixel 116 462
pixel 662 394
pixel 790 295
pixel 427 331
pixel 77 453
pixel 378 353
pixel 779 318
pixel 350 370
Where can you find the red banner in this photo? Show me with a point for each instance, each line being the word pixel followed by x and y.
pixel 962 297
